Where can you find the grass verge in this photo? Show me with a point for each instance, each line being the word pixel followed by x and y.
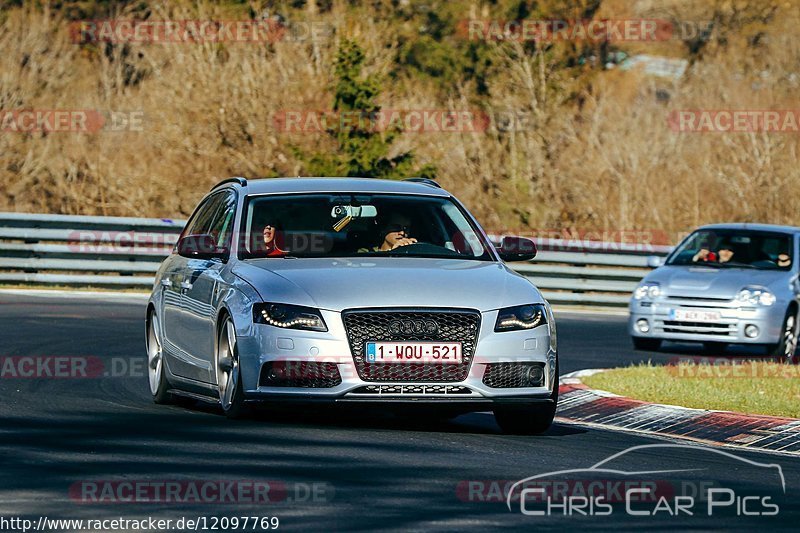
pixel 749 387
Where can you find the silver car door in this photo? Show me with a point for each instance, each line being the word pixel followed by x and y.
pixel 201 286
pixel 184 352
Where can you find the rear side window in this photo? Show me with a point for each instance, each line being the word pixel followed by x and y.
pixel 221 226
pixel 200 221
pixel 214 217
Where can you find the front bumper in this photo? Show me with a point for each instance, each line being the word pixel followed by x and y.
pixel 264 344
pixel 729 328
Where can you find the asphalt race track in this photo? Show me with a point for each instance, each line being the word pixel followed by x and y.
pixel 329 469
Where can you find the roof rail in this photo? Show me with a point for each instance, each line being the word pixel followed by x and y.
pixel 240 181
pixel 425 181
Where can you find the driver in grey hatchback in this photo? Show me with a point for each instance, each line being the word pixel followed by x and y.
pixel 394 234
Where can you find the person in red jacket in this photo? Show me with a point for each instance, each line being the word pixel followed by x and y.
pixel 272 235
pixel 723 255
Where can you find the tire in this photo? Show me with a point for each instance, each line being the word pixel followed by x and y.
pixel 715 347
pixel 528 419
pixel 786 348
pixel 159 387
pixel 642 343
pixel 229 379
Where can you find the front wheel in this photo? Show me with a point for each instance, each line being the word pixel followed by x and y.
pixel 528 419
pixel 642 343
pixel 229 380
pixel 785 349
pixel 159 387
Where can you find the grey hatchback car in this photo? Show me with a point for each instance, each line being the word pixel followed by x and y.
pixel 723 284
pixel 350 290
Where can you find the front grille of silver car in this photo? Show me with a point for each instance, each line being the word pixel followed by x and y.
pixel 698 328
pixel 697 298
pixel 364 326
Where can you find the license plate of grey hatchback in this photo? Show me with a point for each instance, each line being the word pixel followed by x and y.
pixel 414 352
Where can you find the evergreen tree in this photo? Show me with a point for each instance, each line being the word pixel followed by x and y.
pixel 363 150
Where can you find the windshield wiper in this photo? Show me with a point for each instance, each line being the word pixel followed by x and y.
pixel 737 265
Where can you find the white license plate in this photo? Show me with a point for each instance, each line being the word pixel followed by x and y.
pixel 414 352
pixel 694 316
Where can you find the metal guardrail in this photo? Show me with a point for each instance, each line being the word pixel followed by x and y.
pixel 84 251
pixel 68 250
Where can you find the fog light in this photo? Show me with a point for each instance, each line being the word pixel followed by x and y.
pixel 276 373
pixel 534 376
pixel 643 325
pixel 751 331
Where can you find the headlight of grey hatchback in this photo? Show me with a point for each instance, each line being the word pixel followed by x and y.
pixel 521 317
pixel 289 316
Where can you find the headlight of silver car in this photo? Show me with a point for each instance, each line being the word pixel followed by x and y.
pixel 289 316
pixel 520 317
pixel 648 291
pixel 755 296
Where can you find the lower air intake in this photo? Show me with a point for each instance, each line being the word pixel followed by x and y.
pixel 514 375
pixel 300 374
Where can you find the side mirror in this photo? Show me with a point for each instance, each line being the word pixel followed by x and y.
pixel 202 246
pixel 655 261
pixel 516 249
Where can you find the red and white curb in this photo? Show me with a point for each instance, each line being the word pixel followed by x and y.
pixel 579 404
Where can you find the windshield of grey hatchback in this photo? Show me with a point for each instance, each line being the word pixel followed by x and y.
pixel 351 225
pixel 735 248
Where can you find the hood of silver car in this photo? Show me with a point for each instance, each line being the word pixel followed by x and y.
pixel 344 283
pixel 713 282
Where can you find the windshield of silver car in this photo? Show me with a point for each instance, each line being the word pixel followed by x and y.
pixel 358 224
pixel 735 248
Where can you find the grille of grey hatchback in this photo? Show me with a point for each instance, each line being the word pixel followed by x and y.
pixel 374 326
